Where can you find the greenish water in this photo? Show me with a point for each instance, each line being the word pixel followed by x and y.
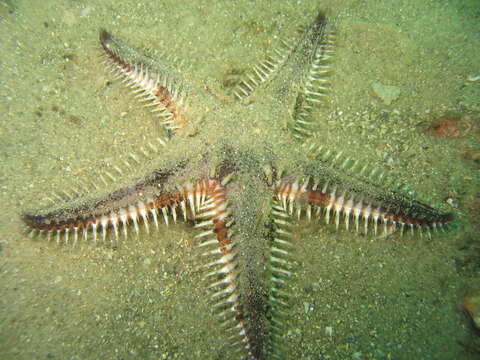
pixel 355 297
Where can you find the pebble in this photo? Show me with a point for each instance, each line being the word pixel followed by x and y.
pixel 386 93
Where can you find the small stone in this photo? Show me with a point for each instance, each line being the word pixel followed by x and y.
pixel 386 93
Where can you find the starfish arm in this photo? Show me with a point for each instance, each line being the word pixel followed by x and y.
pixel 120 210
pixel 315 84
pixel 392 210
pixel 218 240
pixel 304 43
pixel 159 89
pixel 265 70
pixel 309 53
pixel 281 270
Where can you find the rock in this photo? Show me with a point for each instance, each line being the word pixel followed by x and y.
pixel 386 93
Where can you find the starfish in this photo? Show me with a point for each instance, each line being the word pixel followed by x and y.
pixel 250 184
